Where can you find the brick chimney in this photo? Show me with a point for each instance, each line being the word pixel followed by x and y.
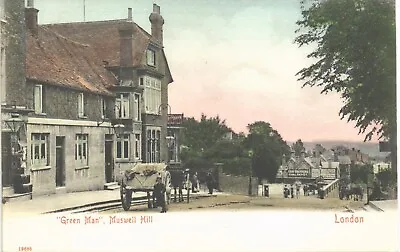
pixel 126 34
pixel 157 22
pixel 31 17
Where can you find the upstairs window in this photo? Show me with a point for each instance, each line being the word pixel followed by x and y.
pixel 122 105
pixel 38 99
pixel 3 73
pixel 151 57
pixel 103 108
pixel 137 116
pixel 152 95
pixel 81 105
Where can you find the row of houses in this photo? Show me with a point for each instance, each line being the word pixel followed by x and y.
pixel 82 102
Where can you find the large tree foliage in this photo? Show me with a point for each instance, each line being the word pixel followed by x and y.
pixel 203 134
pixel 267 147
pixel 355 56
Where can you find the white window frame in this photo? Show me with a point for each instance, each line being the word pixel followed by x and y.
pixel 136 108
pixel 152 95
pixel 151 57
pixel 153 145
pixel 40 155
pixel 138 146
pixel 38 99
pixel 103 108
pixel 122 103
pixel 81 105
pixel 81 150
pixel 124 143
pixel 3 70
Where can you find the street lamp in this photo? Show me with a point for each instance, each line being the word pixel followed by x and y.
pixel 368 185
pixel 250 153
pixel 119 130
pixel 15 123
pixel 170 143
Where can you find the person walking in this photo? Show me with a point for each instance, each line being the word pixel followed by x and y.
pixel 159 194
pixel 210 183
pixel 292 191
pixel 297 190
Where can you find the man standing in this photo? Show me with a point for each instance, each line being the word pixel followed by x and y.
pixel 210 183
pixel 159 194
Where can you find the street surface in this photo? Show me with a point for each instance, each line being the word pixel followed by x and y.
pixel 241 202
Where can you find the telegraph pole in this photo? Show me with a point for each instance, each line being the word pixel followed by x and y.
pixel 84 10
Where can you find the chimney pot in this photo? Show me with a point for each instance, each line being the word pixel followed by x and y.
pixel 130 14
pixel 156 8
pixel 30 4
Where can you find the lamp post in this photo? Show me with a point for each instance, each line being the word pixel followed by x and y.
pixel 250 153
pixel 15 123
pixel 368 185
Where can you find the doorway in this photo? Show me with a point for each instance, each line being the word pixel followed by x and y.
pixel 108 158
pixel 60 161
pixel 6 159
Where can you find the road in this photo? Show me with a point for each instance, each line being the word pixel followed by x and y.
pixel 241 202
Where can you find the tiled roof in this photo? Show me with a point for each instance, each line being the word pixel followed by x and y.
pixel 344 159
pixel 103 36
pixel 55 59
pixel 330 164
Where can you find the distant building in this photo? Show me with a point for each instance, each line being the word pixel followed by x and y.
pixel 378 167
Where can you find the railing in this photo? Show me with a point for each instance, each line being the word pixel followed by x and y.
pixel 331 189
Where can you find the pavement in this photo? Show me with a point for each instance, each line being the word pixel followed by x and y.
pixel 384 205
pixel 58 202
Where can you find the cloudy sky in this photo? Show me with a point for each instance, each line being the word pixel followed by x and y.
pixel 232 58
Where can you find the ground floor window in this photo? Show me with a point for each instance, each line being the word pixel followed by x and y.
pixel 137 147
pixel 81 150
pixel 153 145
pixel 39 149
pixel 123 147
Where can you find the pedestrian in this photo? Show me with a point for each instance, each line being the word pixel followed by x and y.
pixel 297 190
pixel 292 191
pixel 285 191
pixel 195 182
pixel 210 183
pixel 159 194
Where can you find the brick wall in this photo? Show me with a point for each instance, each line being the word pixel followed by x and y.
pixel 237 184
pixel 15 52
pixel 62 103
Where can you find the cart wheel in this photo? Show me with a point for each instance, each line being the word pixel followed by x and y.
pixel 126 197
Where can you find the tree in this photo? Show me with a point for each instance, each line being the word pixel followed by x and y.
pixel 268 148
pixel 199 137
pixel 356 57
pixel 298 147
pixel 203 134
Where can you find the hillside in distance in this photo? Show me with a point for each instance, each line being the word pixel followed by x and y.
pixel 372 149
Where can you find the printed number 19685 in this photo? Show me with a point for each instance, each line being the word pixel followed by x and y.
pixel 24 248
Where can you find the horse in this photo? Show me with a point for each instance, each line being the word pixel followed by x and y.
pixel 177 182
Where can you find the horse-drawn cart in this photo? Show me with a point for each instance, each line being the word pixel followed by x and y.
pixel 142 178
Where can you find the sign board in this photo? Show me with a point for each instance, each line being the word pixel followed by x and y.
pixel 384 146
pixel 304 173
pixel 175 119
pixel 326 173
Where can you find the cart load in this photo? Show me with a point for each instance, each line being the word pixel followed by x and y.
pixel 142 178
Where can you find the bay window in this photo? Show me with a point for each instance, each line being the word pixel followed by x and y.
pixel 122 105
pixel 123 147
pixel 152 95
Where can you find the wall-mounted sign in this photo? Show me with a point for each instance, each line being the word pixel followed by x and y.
pixel 299 173
pixel 175 119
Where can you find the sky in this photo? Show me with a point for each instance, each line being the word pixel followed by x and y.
pixel 232 58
